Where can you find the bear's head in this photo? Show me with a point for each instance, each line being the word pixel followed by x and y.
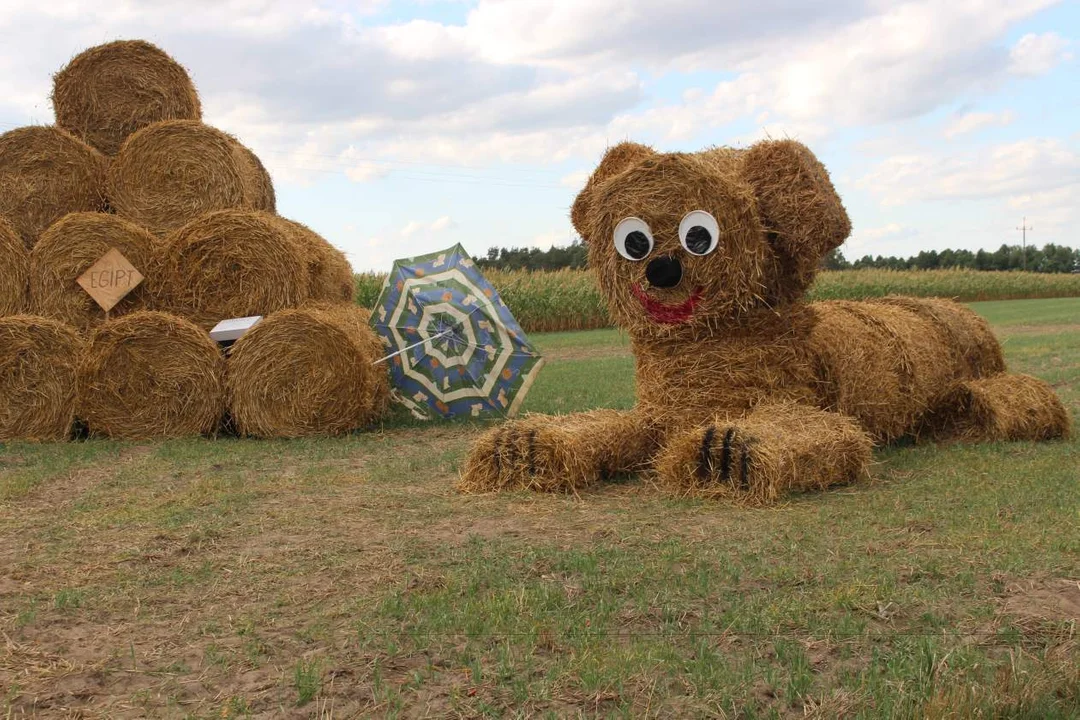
pixel 701 240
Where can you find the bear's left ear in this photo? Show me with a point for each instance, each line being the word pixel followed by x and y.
pixel 617 159
pixel 802 213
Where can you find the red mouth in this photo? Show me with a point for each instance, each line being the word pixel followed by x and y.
pixel 668 314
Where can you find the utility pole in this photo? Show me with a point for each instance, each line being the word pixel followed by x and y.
pixel 1023 248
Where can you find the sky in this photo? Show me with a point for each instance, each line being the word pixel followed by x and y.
pixel 399 127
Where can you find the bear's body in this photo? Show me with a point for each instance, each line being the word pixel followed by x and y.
pixel 744 390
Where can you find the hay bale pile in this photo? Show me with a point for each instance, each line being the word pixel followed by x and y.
pixel 130 166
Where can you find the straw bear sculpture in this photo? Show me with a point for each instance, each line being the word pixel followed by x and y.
pixel 744 390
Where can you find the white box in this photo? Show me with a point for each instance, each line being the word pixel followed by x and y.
pixel 233 328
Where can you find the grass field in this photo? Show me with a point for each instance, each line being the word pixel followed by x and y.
pixel 570 300
pixel 337 578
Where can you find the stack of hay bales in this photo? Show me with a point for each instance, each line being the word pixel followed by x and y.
pixel 130 165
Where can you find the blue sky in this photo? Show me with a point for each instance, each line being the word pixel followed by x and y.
pixel 395 128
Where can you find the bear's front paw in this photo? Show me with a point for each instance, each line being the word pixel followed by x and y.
pixel 530 454
pixel 717 461
pixel 724 457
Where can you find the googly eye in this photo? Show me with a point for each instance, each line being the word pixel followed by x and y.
pixel 633 239
pixel 699 232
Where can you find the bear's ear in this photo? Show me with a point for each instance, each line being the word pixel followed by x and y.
pixel 800 209
pixel 618 158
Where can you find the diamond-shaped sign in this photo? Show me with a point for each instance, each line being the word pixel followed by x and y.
pixel 110 279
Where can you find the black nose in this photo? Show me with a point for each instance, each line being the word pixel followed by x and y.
pixel 664 272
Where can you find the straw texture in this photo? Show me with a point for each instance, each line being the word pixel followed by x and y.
pixel 231 263
pixel 110 91
pixel 16 263
pixel 71 246
pixel 151 375
pixel 173 172
pixel 306 372
pixel 38 358
pixel 46 173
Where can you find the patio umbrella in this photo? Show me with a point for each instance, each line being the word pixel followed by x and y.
pixel 453 347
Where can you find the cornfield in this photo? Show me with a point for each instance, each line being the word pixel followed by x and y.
pixel 569 299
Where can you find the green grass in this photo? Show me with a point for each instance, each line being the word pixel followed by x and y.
pixel 1032 313
pixel 307 680
pixel 346 577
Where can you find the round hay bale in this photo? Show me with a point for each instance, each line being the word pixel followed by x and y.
pixel 265 198
pixel 151 375
pixel 68 248
pixel 46 173
pixel 231 263
pixel 16 263
pixel 110 91
pixel 332 278
pixel 307 372
pixel 172 172
pixel 38 360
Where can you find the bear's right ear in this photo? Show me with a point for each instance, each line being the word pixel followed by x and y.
pixel 618 158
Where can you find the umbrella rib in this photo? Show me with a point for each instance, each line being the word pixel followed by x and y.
pixel 410 347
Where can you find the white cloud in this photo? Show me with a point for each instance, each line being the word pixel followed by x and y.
pixel 885 231
pixel 972 121
pixel 537 81
pixel 890 235
pixel 1051 211
pixel 805 132
pixel 366 172
pixel 545 241
pixel 576 180
pixel 896 64
pixel 440 225
pixel 1038 54
pixel 659 33
pixel 1023 167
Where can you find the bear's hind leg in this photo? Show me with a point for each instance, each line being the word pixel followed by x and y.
pixel 776 449
pixel 1007 406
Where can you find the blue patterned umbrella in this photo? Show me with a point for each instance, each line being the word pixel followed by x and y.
pixel 453 347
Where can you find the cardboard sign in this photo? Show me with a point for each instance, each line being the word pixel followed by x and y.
pixel 110 279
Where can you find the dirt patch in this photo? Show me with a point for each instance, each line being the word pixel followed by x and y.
pixel 1053 599
pixel 58 494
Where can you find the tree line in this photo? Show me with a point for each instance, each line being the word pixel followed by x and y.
pixel 557 258
pixel 1049 258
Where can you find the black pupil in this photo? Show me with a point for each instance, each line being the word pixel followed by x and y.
pixel 698 240
pixel 637 245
